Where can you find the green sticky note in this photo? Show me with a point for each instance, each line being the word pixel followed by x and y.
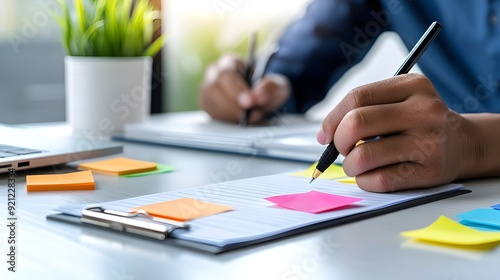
pixel 160 168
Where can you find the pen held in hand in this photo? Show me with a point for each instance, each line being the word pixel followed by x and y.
pixel 331 153
pixel 248 79
pixel 248 75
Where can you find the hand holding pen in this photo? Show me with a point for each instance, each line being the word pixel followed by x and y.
pixel 269 92
pixel 412 119
pixel 225 95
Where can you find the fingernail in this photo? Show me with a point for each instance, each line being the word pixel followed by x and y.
pixel 244 100
pixel 321 137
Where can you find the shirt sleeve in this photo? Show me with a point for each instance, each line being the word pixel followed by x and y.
pixel 316 50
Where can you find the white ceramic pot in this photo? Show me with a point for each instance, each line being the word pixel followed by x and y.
pixel 104 93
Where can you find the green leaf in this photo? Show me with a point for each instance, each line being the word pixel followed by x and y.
pixel 108 28
pixel 85 43
pixel 155 47
pixel 64 22
pixel 80 15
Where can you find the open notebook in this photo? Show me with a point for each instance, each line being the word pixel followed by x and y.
pixel 291 137
pixel 255 219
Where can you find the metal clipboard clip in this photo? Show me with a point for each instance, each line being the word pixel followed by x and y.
pixel 139 222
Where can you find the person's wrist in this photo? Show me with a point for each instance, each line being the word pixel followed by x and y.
pixel 483 145
pixel 474 159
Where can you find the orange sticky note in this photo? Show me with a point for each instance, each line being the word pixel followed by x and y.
pixel 119 166
pixel 82 180
pixel 183 209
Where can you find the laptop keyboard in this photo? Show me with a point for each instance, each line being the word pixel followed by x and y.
pixel 11 151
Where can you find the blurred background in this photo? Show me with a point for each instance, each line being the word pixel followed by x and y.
pixel 31 63
pixel 201 30
pixel 198 32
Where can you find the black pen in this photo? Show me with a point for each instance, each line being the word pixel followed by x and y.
pixel 249 74
pixel 331 153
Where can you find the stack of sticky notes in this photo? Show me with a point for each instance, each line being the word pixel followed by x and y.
pixel 333 172
pixel 119 166
pixel 125 167
pixel 447 231
pixel 82 180
pixel 347 180
pixel 476 227
pixel 183 209
pixel 482 218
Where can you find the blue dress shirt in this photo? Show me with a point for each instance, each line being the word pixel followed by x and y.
pixel 463 62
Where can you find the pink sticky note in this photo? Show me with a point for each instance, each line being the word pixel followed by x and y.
pixel 312 202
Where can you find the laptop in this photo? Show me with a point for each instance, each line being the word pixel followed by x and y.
pixel 24 148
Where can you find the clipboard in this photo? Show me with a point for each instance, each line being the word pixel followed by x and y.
pixel 224 230
pixel 149 226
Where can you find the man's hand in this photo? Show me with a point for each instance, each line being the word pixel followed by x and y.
pixel 225 96
pixel 422 143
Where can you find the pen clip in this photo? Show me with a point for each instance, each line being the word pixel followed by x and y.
pixel 153 227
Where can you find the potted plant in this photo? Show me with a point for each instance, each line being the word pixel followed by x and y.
pixel 110 44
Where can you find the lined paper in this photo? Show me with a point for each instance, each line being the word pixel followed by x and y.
pixel 253 217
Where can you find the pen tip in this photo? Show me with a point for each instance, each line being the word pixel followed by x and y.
pixel 315 175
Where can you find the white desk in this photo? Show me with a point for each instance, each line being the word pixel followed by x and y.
pixel 368 249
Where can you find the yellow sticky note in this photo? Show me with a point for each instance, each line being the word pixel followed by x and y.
pixel 332 172
pixel 82 180
pixel 445 230
pixel 183 209
pixel 119 166
pixel 348 180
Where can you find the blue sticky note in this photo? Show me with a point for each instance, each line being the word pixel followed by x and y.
pixel 489 218
pixel 478 226
pixel 497 207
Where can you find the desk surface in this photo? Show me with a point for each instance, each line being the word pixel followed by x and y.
pixel 368 249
